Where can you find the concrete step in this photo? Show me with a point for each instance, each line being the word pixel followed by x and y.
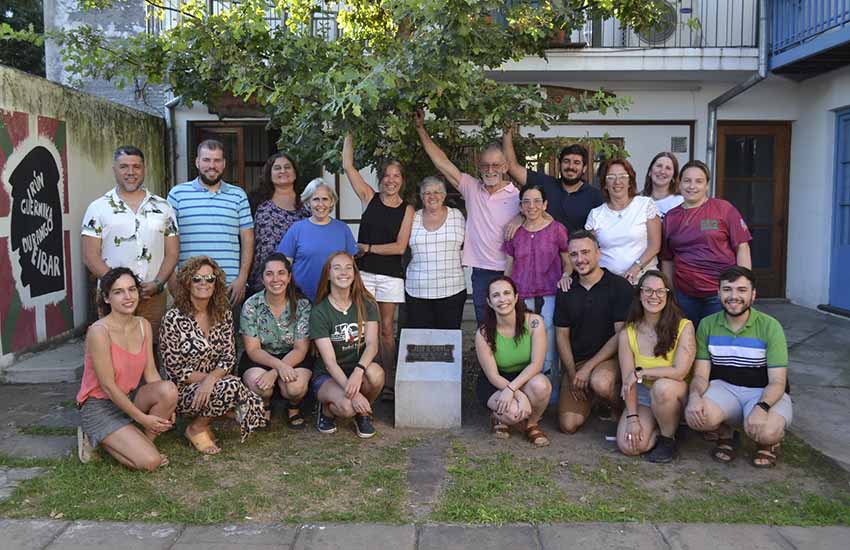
pixel 63 363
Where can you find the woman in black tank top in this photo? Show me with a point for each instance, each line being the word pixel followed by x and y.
pixel 384 232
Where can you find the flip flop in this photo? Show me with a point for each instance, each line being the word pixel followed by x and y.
pixel 202 442
pixel 163 460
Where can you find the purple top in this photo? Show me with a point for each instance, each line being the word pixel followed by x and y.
pixel 537 259
pixel 271 222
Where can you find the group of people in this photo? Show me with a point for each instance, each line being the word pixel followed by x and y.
pixel 570 302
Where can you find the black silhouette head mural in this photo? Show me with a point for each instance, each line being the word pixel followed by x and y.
pixel 36 230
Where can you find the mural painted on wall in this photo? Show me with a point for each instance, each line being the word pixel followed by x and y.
pixel 36 296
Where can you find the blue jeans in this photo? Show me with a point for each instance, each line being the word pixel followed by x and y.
pixel 481 279
pixel 551 364
pixel 697 308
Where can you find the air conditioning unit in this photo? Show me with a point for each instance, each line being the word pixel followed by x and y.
pixel 672 31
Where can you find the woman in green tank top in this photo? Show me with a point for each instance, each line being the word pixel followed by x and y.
pixel 511 348
pixel 656 351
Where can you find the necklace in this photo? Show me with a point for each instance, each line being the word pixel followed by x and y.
pixel 339 307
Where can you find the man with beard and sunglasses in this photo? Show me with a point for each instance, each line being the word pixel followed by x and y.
pixel 215 220
pixel 491 203
pixel 570 198
pixel 740 376
pixel 133 228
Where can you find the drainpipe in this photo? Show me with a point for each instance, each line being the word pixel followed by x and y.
pixel 711 142
pixel 172 137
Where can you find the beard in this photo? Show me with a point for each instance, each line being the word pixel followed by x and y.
pixel 743 311
pixel 209 182
pixel 571 181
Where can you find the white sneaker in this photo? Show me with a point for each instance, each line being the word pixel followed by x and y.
pixel 85 452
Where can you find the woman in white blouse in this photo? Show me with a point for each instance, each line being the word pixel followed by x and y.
pixel 662 182
pixel 627 226
pixel 435 287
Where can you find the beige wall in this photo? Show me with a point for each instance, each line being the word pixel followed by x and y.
pixel 56 149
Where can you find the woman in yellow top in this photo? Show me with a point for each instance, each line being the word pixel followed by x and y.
pixel 656 351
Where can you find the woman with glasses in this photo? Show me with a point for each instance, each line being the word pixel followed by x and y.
pixel 435 287
pixel 662 182
pixel 656 351
pixel 627 226
pixel 308 243
pixel 344 328
pixel 384 233
pixel 703 237
pixel 199 353
pixel 538 261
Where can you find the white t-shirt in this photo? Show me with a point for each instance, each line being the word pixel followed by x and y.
pixel 622 233
pixel 667 203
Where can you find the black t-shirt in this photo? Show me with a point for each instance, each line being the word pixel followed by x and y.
pixel 590 314
pixel 380 224
pixel 571 209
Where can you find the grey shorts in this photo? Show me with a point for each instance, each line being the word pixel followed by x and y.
pixel 101 417
pixel 737 402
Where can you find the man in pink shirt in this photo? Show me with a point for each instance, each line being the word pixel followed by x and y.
pixel 491 203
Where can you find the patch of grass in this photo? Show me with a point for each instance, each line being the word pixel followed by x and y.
pixel 40 429
pixel 277 476
pixel 15 462
pixel 510 487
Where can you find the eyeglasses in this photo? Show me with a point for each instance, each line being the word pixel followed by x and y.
pixel 657 292
pixel 529 202
pixel 342 268
pixel 206 278
pixel 433 194
pixel 488 167
pixel 616 177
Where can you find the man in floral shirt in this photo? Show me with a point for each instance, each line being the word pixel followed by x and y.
pixel 130 227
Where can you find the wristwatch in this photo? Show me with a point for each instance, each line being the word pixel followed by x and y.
pixel 764 406
pixel 160 286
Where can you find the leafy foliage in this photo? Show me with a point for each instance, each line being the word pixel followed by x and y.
pixel 390 58
pixel 21 44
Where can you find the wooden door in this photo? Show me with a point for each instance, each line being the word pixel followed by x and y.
pixel 232 137
pixel 752 173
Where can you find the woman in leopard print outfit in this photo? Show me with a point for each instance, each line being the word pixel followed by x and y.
pixel 199 354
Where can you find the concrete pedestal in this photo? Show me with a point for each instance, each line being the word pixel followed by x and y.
pixel 427 393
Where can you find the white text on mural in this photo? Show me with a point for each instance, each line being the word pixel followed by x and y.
pixel 47 264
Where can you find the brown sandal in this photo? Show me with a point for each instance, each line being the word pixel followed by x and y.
pixel 766 454
pixel 501 431
pixel 536 436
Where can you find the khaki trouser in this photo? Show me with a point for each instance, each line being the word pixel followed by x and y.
pixel 568 406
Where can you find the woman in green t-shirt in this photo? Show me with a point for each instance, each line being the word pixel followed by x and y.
pixel 344 327
pixel 511 348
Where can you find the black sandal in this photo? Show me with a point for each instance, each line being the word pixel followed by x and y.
pixel 295 421
pixel 724 450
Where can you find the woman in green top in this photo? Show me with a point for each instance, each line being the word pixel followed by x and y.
pixel 274 326
pixel 511 348
pixel 344 327
pixel 656 351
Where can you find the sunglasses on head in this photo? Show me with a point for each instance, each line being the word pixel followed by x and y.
pixel 199 278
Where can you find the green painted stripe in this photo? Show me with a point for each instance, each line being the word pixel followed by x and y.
pixel 59 138
pixel 9 326
pixel 5 140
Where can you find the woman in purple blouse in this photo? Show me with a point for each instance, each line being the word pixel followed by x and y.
pixel 538 262
pixel 279 207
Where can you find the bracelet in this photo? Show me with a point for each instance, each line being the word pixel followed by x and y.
pixel 637 263
pixel 510 388
pixel 635 415
pixel 160 286
pixel 359 366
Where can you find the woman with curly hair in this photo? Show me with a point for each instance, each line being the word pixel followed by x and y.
pixel 199 353
pixel 119 352
pixel 344 327
pixel 656 351
pixel 279 207
pixel 511 348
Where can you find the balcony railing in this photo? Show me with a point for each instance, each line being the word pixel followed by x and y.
pixel 323 23
pixel 795 21
pixel 685 24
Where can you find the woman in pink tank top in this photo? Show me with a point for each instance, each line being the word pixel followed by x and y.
pixel 119 352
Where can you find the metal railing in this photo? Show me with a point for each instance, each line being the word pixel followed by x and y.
pixel 162 19
pixel 795 21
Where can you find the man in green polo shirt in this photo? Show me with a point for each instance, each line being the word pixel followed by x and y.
pixel 740 374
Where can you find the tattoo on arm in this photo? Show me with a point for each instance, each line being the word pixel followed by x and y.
pixel 535 323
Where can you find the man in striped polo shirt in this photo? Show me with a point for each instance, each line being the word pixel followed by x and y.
pixel 217 219
pixel 740 374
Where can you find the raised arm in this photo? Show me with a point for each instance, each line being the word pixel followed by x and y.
pixel 518 172
pixel 437 156
pixel 361 188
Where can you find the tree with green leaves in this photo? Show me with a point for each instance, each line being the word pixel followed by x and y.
pixel 389 58
pixel 18 51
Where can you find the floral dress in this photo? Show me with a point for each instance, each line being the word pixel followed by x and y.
pixel 271 222
pixel 185 349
